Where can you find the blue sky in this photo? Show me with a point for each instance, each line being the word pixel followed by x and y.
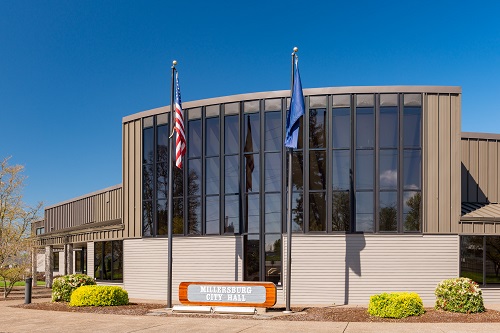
pixel 70 70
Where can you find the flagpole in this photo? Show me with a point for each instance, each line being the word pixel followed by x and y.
pixel 289 207
pixel 170 188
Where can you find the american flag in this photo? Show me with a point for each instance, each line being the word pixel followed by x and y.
pixel 180 142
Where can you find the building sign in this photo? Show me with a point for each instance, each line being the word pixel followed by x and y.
pixel 258 294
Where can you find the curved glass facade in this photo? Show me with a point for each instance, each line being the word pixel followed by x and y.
pixel 357 168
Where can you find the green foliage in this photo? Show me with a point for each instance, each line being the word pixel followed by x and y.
pixel 99 296
pixel 459 295
pixel 63 286
pixel 396 305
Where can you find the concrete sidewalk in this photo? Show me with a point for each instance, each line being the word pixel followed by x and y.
pixel 25 320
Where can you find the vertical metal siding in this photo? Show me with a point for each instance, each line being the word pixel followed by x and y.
pixel 480 160
pixel 431 151
pixel 194 259
pixel 132 165
pixel 441 163
pixel 330 269
pixel 444 191
pixel 456 202
pixel 492 171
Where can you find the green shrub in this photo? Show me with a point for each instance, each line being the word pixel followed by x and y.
pixel 459 295
pixel 396 305
pixel 63 286
pixel 99 296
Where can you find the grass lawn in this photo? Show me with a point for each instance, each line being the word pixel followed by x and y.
pixel 21 283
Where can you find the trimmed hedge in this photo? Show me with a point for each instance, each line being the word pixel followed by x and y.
pixel 63 286
pixel 99 296
pixel 459 295
pixel 396 305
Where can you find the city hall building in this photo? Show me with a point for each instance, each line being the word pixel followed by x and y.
pixel 388 195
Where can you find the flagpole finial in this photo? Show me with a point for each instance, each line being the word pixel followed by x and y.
pixel 174 63
pixel 295 49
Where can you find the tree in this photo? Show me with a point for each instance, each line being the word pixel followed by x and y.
pixel 15 222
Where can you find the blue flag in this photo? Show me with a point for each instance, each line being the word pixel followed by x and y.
pixel 297 110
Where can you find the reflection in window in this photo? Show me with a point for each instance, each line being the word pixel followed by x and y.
pixel 147 219
pixel 364 169
pixel 147 182
pixel 231 179
pixel 147 145
pixel 389 127
pixel 341 211
pixel 412 161
pixel 273 212
pixel 317 170
pixel 253 215
pixel 364 211
pixel 161 180
pixel 252 258
pixel 341 166
pixel 252 172
pixel 273 258
pixel 317 128
pixel 194 175
pixel 341 131
pixel 297 170
pixel 412 119
pixel 232 217
pixel 231 132
pixel 388 211
pixel 162 217
pixel 492 259
pixel 471 257
pixel 178 218
pixel 297 212
pixel 194 216
pixel 411 211
pixel 212 137
pixel 317 212
pixel 212 175
pixel 212 215
pixel 162 143
pixel 272 172
pixel 108 260
pixel 388 169
pixel 252 133
pixel 272 127
pixel 194 138
pixel 365 128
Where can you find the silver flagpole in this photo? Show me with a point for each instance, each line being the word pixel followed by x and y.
pixel 170 187
pixel 289 207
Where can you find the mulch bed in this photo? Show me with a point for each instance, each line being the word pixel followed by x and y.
pixel 339 313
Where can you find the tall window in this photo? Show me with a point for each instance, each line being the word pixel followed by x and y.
pixel 194 153
pixel 212 170
pixel 480 259
pixel 155 175
pixel 365 163
pixel 341 163
pixel 108 260
pixel 317 164
pixel 55 256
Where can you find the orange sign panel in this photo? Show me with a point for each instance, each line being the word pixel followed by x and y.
pixel 257 294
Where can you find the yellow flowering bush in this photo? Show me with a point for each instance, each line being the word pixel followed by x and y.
pixel 63 286
pixel 99 296
pixel 396 305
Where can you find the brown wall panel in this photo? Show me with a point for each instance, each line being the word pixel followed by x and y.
pixel 431 153
pixel 444 162
pixel 483 171
pixel 492 171
pixel 456 153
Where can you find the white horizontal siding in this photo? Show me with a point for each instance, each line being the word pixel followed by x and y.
pixel 90 259
pixel 194 259
pixel 491 295
pixel 322 273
